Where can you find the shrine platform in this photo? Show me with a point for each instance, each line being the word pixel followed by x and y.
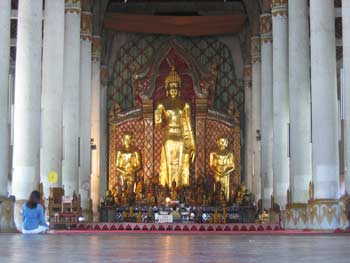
pixel 191 228
pixel 172 227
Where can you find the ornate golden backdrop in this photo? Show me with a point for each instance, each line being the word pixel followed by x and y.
pixel 211 89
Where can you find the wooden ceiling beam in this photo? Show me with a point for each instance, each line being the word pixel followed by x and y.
pixel 175 25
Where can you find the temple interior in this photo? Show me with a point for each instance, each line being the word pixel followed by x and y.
pixel 192 117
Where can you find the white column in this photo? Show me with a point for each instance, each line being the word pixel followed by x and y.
pixel 256 115
pixel 5 12
pixel 280 155
pixel 299 100
pixel 52 91
pixel 104 131
pixel 85 110
pixel 325 149
pixel 27 102
pixel 71 80
pixel 247 74
pixel 266 108
pixel 95 123
pixel 346 66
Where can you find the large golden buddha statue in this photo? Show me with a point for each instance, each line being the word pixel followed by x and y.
pixel 128 162
pixel 222 163
pixel 178 147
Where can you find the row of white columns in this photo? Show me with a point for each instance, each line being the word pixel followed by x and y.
pixel 5 12
pixel 26 151
pixel 96 104
pixel 280 103
pixel 256 116
pixel 84 97
pixel 266 109
pixel 325 135
pixel 71 102
pixel 346 66
pixel 299 100
pixel 52 93
pixel 6 204
pixel 57 102
pixel 283 99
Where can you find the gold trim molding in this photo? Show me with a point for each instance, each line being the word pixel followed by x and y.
pixel 318 214
pixel 322 209
pixel 279 3
pixel 96 48
pixel 247 72
pixel 72 6
pixel 255 49
pixel 279 8
pixel 266 28
pixel 86 26
pixel 296 213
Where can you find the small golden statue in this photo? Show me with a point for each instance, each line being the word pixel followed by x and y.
pixel 139 191
pixel 222 163
pixel 244 197
pixel 178 147
pixel 128 163
pixel 173 191
pixel 216 216
pixel 241 192
pixel 224 214
pixel 150 197
pixel 139 217
pixel 264 217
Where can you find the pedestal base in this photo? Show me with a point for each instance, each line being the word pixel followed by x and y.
pixel 318 214
pixel 18 214
pixel 7 223
pixel 296 216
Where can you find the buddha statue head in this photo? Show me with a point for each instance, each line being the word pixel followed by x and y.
pixel 126 140
pixel 173 83
pixel 222 143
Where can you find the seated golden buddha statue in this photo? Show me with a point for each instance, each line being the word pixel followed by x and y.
pixel 222 164
pixel 128 162
pixel 264 217
pixel 173 191
pixel 178 147
pixel 244 197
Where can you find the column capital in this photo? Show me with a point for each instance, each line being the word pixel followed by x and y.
pixel 279 8
pixel 96 48
pixel 275 3
pixel 255 49
pixel 86 26
pixel 104 75
pixel 72 6
pixel 247 73
pixel 266 28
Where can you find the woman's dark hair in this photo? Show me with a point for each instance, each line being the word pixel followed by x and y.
pixel 34 199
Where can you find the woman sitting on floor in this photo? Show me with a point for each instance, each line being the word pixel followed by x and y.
pixel 33 215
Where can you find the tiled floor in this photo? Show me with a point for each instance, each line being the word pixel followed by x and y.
pixel 119 247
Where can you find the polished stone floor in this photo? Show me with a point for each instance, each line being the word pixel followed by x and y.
pixel 120 247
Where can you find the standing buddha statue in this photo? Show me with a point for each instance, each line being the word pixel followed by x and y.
pixel 128 163
pixel 222 163
pixel 178 147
